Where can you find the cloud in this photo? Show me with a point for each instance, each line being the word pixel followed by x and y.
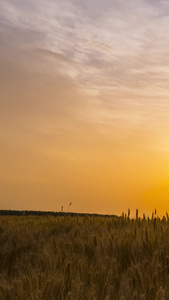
pixel 97 36
pixel 114 46
pixel 115 51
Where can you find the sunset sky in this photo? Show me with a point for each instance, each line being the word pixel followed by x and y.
pixel 84 105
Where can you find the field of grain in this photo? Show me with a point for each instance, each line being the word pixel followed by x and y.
pixel 84 258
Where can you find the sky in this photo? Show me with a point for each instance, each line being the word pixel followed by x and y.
pixel 84 104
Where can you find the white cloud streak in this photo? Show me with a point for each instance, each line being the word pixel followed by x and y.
pixel 110 47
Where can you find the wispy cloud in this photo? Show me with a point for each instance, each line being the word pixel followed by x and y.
pixel 111 45
pixel 134 33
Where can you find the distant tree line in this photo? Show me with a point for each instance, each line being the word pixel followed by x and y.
pixel 47 213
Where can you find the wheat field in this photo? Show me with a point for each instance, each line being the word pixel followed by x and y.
pixel 84 258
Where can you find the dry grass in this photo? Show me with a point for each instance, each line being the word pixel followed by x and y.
pixel 83 258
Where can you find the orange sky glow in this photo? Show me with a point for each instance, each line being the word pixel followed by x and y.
pixel 84 104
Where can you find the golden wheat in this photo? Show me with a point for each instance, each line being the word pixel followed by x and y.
pixel 83 258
